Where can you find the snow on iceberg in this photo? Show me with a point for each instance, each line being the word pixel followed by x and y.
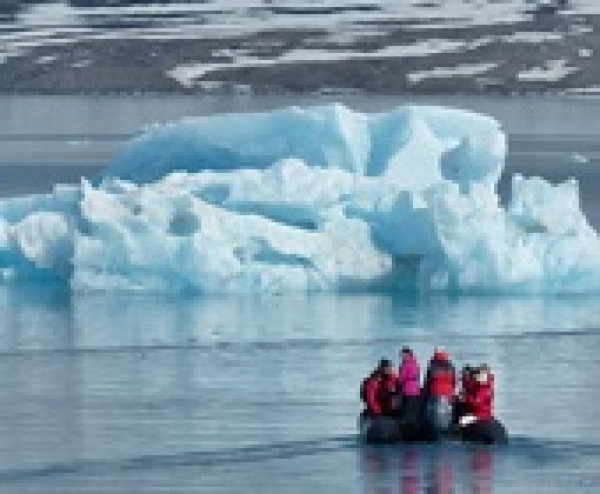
pixel 307 199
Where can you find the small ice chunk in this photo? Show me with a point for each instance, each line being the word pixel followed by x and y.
pixel 579 158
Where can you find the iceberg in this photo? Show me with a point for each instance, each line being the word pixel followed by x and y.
pixel 309 199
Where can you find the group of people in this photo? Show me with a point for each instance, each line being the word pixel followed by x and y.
pixel 443 401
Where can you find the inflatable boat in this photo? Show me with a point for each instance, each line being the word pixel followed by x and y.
pixel 387 430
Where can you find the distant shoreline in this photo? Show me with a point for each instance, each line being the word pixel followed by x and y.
pixel 557 94
pixel 554 54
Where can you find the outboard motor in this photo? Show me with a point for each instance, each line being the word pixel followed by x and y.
pixel 438 417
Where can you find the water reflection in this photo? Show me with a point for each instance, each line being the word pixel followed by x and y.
pixel 439 475
pixel 434 469
pixel 482 463
pixel 411 472
pixel 51 318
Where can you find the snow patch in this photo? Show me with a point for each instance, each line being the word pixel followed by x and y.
pixel 534 37
pixel 188 74
pixel 46 59
pixel 448 72
pixel 578 29
pixel 553 71
pixel 81 64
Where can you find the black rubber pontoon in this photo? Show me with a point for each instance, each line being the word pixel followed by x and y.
pixel 487 432
pixel 378 430
pixel 387 430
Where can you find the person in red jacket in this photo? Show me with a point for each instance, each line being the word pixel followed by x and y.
pixel 479 424
pixel 479 397
pixel 381 390
pixel 440 379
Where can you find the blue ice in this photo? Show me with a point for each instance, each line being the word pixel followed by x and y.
pixel 309 199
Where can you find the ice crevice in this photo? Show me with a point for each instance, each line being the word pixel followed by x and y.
pixel 309 199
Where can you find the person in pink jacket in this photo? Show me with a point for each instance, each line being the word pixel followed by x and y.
pixel 409 379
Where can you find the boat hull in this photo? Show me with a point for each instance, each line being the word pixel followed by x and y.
pixel 387 430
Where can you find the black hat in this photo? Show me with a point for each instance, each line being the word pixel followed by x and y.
pixel 384 362
pixel 406 349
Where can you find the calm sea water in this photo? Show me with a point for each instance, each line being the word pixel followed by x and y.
pixel 133 393
pixel 123 394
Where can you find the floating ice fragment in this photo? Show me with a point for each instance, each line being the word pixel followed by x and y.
pixel 579 158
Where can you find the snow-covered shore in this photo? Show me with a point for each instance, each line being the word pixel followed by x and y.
pixel 381 46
